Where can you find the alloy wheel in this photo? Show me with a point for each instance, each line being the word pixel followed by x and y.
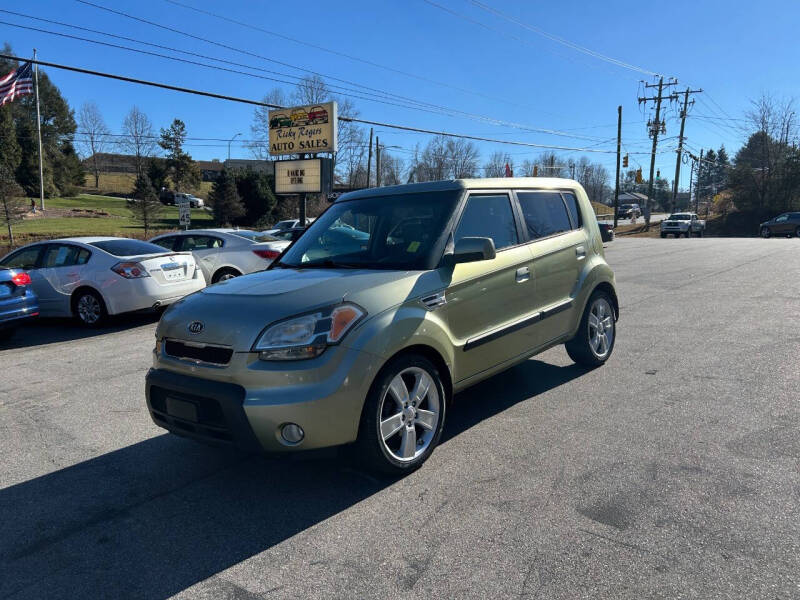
pixel 409 414
pixel 89 309
pixel 601 328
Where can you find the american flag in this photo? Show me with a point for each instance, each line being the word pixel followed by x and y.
pixel 17 83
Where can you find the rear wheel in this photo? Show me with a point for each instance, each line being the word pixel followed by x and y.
pixel 403 416
pixel 765 232
pixel 224 275
pixel 594 341
pixel 89 308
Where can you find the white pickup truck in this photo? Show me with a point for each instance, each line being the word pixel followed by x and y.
pixel 686 224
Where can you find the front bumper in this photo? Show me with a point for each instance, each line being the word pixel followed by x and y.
pixel 246 402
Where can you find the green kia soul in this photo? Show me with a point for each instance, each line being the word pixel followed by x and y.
pixel 392 301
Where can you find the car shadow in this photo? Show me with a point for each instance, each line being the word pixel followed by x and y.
pixel 154 518
pixel 42 331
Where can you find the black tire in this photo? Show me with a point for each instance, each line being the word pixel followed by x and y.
pixel 580 347
pixel 663 235
pixel 89 309
pixel 701 233
pixel 370 449
pixel 765 232
pixel 688 233
pixel 223 274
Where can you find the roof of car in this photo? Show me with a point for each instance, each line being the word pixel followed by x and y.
pixel 89 239
pixel 465 184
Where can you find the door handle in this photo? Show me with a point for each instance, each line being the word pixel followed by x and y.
pixel 523 274
pixel 580 252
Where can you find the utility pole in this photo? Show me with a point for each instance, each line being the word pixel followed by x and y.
pixel 377 161
pixel 619 151
pixel 655 127
pixel 684 111
pixel 691 177
pixel 369 159
pixel 39 132
pixel 697 185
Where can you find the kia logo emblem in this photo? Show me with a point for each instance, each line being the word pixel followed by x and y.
pixel 195 327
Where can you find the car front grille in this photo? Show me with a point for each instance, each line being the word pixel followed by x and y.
pixel 194 414
pixel 203 353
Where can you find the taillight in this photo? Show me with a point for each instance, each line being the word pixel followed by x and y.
pixel 21 279
pixel 267 254
pixel 130 270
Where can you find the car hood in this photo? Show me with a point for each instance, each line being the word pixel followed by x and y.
pixel 234 312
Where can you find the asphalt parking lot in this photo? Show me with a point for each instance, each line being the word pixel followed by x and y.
pixel 670 472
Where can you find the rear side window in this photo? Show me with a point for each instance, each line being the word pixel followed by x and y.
pixel 573 209
pixel 200 242
pixel 488 216
pixel 23 259
pixel 544 213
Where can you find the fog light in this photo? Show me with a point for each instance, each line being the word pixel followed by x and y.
pixel 292 433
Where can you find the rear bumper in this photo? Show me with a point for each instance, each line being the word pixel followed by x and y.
pixel 16 309
pixel 146 293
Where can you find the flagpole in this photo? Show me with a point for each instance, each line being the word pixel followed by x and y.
pixel 39 131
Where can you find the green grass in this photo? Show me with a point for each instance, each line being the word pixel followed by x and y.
pixel 117 221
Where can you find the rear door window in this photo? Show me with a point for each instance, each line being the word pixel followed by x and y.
pixel 544 213
pixel 60 255
pixel 200 242
pixel 488 216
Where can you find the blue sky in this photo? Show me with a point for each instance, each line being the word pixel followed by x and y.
pixel 507 72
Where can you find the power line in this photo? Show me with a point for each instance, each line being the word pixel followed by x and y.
pixel 562 41
pixel 215 95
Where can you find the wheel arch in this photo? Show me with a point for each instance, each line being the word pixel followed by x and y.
pixel 73 297
pixel 428 352
pixel 222 268
pixel 606 287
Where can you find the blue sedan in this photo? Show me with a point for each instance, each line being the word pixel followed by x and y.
pixel 17 300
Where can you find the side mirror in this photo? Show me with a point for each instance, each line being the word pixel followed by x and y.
pixel 473 249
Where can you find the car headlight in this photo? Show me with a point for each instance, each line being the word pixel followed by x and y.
pixel 307 336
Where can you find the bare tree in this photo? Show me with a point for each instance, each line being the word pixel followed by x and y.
pixel 12 204
pixel 391 169
pixel 95 135
pixel 139 139
pixel 260 127
pixel 463 158
pixel 496 165
pixel 311 90
pixel 551 165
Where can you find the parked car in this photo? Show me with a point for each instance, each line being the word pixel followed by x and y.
pixel 683 224
pixel 289 234
pixel 93 277
pixel 287 224
pixel 224 253
pixel 18 302
pixel 366 341
pixel 192 201
pixel 606 231
pixel 786 224
pixel 629 211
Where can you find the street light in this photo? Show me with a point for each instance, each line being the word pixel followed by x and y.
pixel 229 144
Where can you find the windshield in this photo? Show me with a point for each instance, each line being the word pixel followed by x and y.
pixel 680 217
pixel 127 247
pixel 383 232
pixel 254 235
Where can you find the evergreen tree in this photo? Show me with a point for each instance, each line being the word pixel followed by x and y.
pixel 145 206
pixel 256 193
pixel 12 203
pixel 228 207
pixel 182 169
pixel 157 172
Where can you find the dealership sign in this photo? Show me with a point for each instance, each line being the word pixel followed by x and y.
pixel 303 129
pixel 311 175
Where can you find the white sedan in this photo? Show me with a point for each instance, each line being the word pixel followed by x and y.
pixel 225 253
pixel 93 277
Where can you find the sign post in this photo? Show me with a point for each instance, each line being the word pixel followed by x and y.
pixel 185 215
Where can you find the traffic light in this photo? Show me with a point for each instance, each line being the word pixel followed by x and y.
pixel 639 175
pixel 625 161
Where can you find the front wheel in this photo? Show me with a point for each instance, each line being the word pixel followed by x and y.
pixel 403 416
pixel 594 341
pixel 224 275
pixel 797 231
pixel 765 232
